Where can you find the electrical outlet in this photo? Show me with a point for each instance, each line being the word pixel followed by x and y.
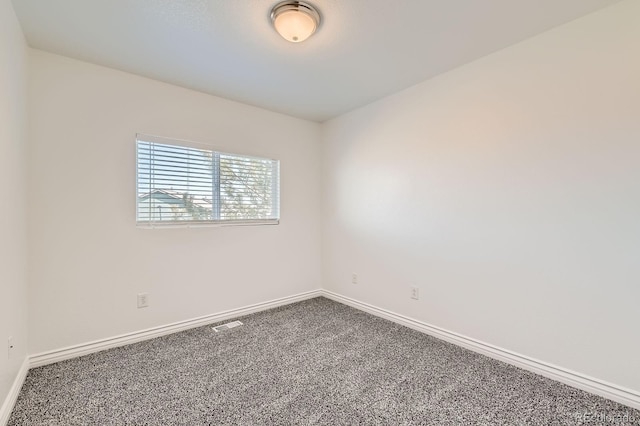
pixel 10 347
pixel 415 292
pixel 354 278
pixel 143 300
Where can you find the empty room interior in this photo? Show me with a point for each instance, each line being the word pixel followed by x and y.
pixel 333 212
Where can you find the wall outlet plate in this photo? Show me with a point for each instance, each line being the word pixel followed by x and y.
pixel 354 278
pixel 415 292
pixel 10 347
pixel 143 300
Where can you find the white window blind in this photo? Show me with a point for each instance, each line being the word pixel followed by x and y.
pixel 179 184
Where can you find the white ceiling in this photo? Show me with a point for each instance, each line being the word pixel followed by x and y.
pixel 363 50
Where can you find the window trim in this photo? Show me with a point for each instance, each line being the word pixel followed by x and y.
pixel 151 224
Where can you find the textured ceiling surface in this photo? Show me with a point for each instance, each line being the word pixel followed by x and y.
pixel 363 50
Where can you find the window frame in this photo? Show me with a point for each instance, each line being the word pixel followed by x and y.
pixel 216 195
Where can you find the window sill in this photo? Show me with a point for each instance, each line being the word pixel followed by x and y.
pixel 172 225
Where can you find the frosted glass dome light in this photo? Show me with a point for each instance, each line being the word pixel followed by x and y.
pixel 295 21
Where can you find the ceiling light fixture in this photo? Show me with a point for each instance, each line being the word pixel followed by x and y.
pixel 295 21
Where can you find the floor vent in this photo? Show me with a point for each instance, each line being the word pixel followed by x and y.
pixel 226 326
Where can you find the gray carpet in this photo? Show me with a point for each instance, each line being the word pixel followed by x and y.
pixel 315 362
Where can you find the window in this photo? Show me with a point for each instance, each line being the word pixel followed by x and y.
pixel 178 184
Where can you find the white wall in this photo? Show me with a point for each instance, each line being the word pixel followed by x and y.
pixel 13 230
pixel 508 190
pixel 88 259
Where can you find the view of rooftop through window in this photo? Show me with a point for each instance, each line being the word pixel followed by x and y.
pixel 178 184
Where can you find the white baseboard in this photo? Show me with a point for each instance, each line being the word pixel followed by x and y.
pixel 10 400
pixel 138 336
pixel 611 391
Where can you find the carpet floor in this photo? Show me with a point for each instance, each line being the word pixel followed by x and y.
pixel 316 362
